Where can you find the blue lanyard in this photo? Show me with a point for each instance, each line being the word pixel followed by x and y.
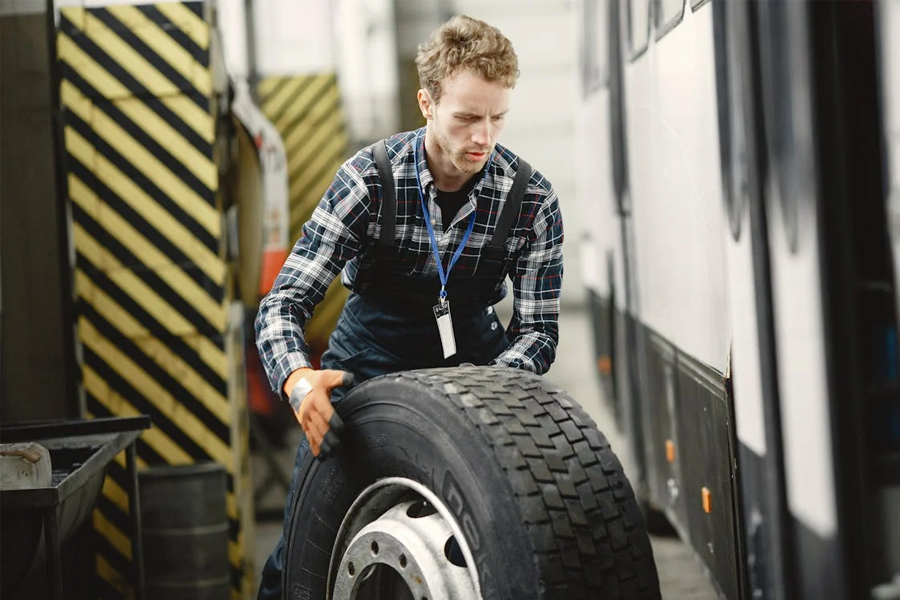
pixel 444 275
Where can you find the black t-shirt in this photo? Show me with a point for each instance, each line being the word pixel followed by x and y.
pixel 451 202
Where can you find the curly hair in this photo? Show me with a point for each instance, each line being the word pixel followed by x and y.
pixel 466 43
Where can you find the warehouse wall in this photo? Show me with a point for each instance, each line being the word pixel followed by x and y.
pixel 37 375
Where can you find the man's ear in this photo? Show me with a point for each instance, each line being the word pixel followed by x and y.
pixel 425 104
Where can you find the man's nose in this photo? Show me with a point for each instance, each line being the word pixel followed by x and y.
pixel 482 134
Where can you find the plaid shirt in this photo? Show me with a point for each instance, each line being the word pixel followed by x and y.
pixel 347 215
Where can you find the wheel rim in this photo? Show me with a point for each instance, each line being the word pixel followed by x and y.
pixel 399 541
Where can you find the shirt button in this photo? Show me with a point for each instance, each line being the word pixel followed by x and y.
pixel 434 221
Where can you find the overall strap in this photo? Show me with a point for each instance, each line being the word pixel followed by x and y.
pixel 512 206
pixel 388 195
pixel 508 215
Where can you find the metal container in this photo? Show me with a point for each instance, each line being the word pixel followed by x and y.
pixel 185 532
pixel 80 451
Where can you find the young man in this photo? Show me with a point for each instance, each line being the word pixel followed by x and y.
pixel 424 228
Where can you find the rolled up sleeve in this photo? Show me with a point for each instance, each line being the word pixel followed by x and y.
pixel 329 239
pixel 537 282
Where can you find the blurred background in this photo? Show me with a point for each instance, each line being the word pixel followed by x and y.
pixel 157 163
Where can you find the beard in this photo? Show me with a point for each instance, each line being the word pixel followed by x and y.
pixel 458 156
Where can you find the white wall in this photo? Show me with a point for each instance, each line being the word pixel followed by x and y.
pixel 233 33
pixel 358 38
pixel 542 118
pixel 366 55
pixel 294 37
pixel 355 38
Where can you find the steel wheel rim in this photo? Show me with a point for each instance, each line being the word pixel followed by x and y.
pixel 397 529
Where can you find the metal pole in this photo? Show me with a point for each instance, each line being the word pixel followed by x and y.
pixel 74 397
pixel 134 510
pixel 250 35
pixel 54 561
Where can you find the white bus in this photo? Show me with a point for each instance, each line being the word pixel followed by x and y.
pixel 740 245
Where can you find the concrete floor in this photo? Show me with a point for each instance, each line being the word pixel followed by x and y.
pixel 681 575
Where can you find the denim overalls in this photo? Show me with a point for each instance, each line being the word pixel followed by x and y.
pixel 387 324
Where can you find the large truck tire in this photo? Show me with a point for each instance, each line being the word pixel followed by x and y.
pixel 466 483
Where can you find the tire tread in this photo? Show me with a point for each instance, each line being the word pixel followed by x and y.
pixel 587 531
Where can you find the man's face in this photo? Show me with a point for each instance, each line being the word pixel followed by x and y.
pixel 467 120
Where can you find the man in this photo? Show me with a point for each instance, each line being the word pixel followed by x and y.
pixel 424 227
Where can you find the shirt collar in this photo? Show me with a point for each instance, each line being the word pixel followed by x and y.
pixel 427 178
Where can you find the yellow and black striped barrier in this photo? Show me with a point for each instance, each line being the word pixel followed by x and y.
pixel 306 110
pixel 156 330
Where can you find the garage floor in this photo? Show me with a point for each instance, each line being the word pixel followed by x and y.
pixel 681 575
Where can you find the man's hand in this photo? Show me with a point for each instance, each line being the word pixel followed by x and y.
pixel 316 411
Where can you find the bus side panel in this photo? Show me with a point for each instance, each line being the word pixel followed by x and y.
pixel 596 222
pixel 661 439
pixel 703 416
pixel 596 225
pixel 602 328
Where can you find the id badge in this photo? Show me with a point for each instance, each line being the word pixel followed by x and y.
pixel 445 327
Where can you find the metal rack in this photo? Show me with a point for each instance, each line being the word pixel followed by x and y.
pixel 85 448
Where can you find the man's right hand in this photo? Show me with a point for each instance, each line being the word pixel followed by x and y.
pixel 316 411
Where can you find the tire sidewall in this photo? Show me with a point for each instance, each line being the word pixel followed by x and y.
pixel 396 429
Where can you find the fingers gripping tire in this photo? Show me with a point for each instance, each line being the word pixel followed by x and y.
pixel 516 467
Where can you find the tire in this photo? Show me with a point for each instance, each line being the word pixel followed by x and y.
pixel 538 494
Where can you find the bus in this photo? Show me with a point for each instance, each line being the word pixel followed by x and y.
pixel 739 214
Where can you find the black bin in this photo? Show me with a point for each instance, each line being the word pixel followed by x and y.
pixel 184 523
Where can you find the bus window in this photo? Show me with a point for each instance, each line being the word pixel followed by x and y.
pixel 594 45
pixel 668 14
pixel 638 26
pixel 732 140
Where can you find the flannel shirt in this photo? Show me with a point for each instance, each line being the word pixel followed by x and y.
pixel 349 216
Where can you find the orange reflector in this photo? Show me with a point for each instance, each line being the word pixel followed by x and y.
pixel 707 500
pixel 670 451
pixel 604 365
